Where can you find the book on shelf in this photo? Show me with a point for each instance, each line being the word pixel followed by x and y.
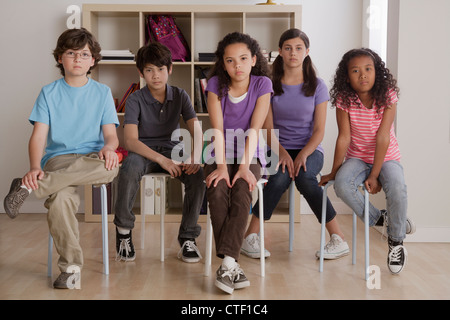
pixel 198 103
pixel 206 56
pixel 132 88
pixel 117 55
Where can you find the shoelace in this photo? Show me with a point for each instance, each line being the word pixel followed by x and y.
pixel 124 247
pixel 396 254
pixel 237 271
pixel 190 247
pixel 331 244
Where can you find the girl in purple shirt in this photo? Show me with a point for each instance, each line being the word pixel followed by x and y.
pixel 298 112
pixel 239 94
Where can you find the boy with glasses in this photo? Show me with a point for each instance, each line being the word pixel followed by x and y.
pixel 75 121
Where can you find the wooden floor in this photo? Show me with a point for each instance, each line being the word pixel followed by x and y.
pixel 289 275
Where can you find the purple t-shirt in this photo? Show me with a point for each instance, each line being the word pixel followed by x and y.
pixel 293 114
pixel 237 116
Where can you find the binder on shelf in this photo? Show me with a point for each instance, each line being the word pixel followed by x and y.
pixel 198 103
pixel 97 199
pixel 148 198
pixel 132 88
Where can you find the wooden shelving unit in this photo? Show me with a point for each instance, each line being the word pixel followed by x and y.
pixel 122 26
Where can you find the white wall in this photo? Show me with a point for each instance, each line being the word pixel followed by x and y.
pixel 29 30
pixel 424 113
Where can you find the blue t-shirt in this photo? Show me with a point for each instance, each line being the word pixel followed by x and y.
pixel 293 114
pixel 75 116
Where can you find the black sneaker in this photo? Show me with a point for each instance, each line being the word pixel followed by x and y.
pixel 189 251
pixel 382 222
pixel 15 198
pixel 397 256
pixel 124 247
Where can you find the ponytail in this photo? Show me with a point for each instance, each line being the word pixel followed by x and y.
pixel 309 77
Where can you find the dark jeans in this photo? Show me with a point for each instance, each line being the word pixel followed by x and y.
pixel 130 175
pixel 229 210
pixel 306 183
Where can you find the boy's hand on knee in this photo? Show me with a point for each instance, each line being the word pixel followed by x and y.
pixel 30 180
pixel 110 157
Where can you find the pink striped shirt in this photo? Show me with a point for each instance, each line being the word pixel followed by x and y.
pixel 364 124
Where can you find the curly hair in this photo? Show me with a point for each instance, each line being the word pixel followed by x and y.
pixel 76 39
pixel 384 80
pixel 261 67
pixel 309 72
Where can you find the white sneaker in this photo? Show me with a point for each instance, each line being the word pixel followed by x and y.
pixel 335 248
pixel 250 247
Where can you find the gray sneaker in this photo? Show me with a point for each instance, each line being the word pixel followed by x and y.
pixel 240 280
pixel 15 198
pixel 225 280
pixel 66 280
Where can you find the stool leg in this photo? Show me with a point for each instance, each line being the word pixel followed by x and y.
pixel 208 244
pixel 354 240
pixel 163 212
pixel 143 211
pixel 261 230
pixel 50 255
pixel 323 223
pixel 291 214
pixel 104 199
pixel 366 232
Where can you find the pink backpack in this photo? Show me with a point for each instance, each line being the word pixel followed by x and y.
pixel 162 28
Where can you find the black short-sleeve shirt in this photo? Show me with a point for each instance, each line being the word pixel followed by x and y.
pixel 156 122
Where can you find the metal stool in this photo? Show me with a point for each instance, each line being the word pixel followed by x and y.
pixel 104 209
pixel 366 229
pixel 147 206
pixel 260 186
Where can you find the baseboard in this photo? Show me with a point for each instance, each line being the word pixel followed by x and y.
pixel 429 234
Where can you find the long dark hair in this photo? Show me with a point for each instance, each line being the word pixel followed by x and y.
pixel 384 80
pixel 261 67
pixel 309 72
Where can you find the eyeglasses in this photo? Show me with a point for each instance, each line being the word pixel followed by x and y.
pixel 73 55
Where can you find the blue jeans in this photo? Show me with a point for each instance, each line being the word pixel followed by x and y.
pixel 306 183
pixel 353 172
pixel 130 175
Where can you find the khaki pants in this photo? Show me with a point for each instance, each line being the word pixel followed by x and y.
pixel 62 176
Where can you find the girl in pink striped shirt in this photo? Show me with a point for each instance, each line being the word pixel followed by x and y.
pixel 365 94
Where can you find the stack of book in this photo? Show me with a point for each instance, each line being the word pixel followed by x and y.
pixel 206 56
pixel 117 55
